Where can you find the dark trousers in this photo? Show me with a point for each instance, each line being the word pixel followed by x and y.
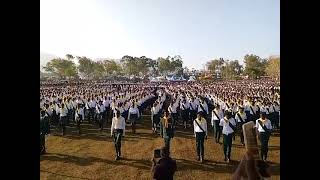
pixel 193 115
pixel 227 143
pixel 155 121
pixel 107 112
pixel 264 139
pixel 133 119
pixel 200 143
pixel 174 119
pixel 117 134
pixel 42 143
pixel 91 115
pixel 79 123
pixel 217 130
pixel 63 124
pixel 101 120
pixel 167 142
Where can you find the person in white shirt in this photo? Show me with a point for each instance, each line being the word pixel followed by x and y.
pixel 133 116
pixel 118 126
pixel 101 115
pixel 193 109
pixel 228 127
pixel 217 115
pixel 203 107
pixel 184 106
pixel 79 114
pixel 155 117
pixel 200 133
pixel 63 118
pixel 241 118
pixel 264 128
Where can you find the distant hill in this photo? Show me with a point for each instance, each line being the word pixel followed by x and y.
pixel 45 57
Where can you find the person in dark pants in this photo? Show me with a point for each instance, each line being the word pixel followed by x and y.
pixel 166 129
pixel 241 118
pixel 133 116
pixel 184 106
pixel 101 115
pixel 193 109
pixel 228 127
pixel 200 132
pixel 155 117
pixel 79 114
pixel 63 118
pixel 217 115
pixel 43 131
pixel 173 113
pixel 118 126
pixel 264 128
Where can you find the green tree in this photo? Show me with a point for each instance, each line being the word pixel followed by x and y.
pixel 62 68
pixel 273 67
pixel 129 65
pixel 112 67
pixel 254 66
pixel 164 65
pixel 86 67
pixel 98 70
pixel 231 69
pixel 69 57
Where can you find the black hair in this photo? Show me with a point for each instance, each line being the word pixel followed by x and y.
pixel 164 152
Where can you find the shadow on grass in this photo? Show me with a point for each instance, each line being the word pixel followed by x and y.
pixel 87 161
pixel 63 175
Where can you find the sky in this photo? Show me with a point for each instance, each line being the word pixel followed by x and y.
pixel 198 31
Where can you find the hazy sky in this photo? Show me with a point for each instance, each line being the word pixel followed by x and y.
pixel 196 30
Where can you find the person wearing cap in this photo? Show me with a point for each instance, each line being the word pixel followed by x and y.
pixel 118 126
pixel 241 118
pixel 200 133
pixel 217 115
pixel 264 128
pixel 228 127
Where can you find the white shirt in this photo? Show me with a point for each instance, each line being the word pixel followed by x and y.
pixel 118 123
pixel 226 129
pixel 193 105
pixel 243 116
pixel 172 109
pixel 63 112
pixel 204 106
pixel 215 118
pixel 203 124
pixel 267 124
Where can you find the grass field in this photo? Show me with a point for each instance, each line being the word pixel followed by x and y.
pixel 91 155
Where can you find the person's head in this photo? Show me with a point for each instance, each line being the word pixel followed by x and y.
pixel 166 113
pixel 199 115
pixel 263 115
pixel 118 113
pixel 43 112
pixel 241 109
pixel 227 114
pixel 164 152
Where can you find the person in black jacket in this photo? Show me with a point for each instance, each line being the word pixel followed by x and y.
pixel 165 167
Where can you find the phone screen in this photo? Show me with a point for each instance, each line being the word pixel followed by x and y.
pixel 250 138
pixel 157 153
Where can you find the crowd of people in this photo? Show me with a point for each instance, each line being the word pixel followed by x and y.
pixel 221 106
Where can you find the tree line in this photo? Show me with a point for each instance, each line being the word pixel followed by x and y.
pixel 145 67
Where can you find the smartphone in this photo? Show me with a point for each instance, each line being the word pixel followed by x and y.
pixel 156 153
pixel 250 138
